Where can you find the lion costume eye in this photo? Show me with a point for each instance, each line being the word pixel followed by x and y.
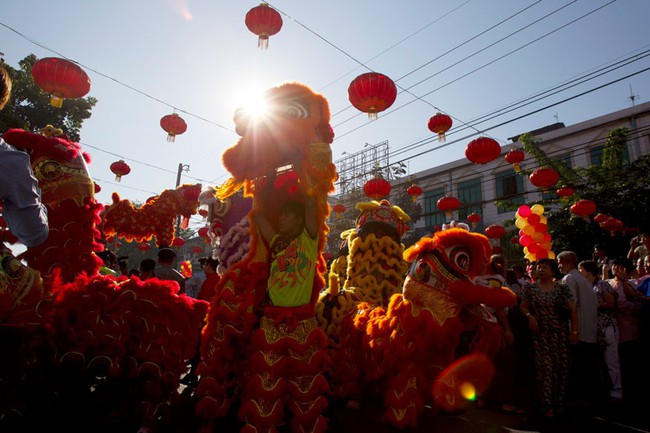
pixel 461 257
pixel 296 109
pixel 421 271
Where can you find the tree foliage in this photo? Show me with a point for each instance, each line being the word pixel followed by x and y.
pixel 619 189
pixel 29 107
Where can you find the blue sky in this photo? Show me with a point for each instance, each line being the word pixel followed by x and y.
pixel 470 58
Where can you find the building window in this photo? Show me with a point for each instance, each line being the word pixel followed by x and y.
pixel 596 155
pixel 432 215
pixel 471 198
pixel 510 187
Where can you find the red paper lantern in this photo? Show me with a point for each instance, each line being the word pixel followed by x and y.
pixel 474 218
pixel 440 124
pixel 565 192
pixel 514 157
pixel 583 208
pixel 482 150
pixel 61 79
pixel 96 187
pixel 376 188
pixel 612 225
pixel 203 232
pixel 338 209
pixel 263 21
pixel 514 240
pixel 601 218
pixel 174 125
pixel 197 250
pixel 495 231
pixel 120 168
pixel 448 205
pixel 414 191
pixel 372 93
pixel 544 177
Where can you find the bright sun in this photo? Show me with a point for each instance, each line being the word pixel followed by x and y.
pixel 254 103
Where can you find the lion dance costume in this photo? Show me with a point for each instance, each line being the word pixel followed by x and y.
pixel 411 345
pixel 372 271
pixel 270 358
pixel 75 338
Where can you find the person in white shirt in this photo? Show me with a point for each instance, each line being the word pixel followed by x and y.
pixel 584 378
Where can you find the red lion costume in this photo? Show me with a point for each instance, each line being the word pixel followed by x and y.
pixel 406 346
pixel 68 194
pixel 108 347
pixel 240 336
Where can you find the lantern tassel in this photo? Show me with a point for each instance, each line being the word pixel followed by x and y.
pixel 372 115
pixel 442 137
pixel 516 166
pixel 171 138
pixel 263 42
pixel 56 101
pixel 449 215
pixel 118 178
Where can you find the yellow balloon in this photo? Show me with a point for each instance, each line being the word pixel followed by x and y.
pixel 521 223
pixel 542 219
pixel 526 252
pixel 528 229
pixel 517 216
pixel 537 208
pixel 551 255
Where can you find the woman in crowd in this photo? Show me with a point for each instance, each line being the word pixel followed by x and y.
pixel 549 305
pixel 631 351
pixel 607 332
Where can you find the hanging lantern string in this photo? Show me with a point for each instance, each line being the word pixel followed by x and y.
pixel 33 41
pixel 485 65
pixel 364 65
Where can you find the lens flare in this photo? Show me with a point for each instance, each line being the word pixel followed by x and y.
pixel 468 391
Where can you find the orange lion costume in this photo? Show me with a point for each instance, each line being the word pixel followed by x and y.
pixel 409 349
pixel 270 358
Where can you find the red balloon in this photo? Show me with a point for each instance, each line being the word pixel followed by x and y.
pixel 533 219
pixel 541 228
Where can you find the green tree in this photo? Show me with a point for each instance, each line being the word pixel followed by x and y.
pixel 619 189
pixel 29 107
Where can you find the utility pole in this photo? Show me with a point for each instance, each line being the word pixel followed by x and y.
pixel 181 168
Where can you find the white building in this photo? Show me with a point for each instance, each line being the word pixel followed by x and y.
pixel 479 186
